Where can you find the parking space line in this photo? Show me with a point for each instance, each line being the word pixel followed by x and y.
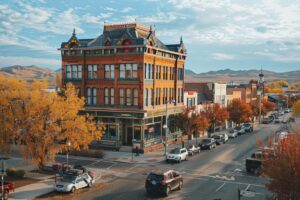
pixel 219 188
pixel 247 187
pixel 130 168
pixel 241 183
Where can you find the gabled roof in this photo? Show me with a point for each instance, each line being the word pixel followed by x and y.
pixel 138 34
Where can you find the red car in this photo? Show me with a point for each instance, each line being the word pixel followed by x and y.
pixel 7 188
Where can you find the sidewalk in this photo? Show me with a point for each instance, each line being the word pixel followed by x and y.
pixel 32 191
pixel 147 158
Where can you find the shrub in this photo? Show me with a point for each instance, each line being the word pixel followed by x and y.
pixel 17 173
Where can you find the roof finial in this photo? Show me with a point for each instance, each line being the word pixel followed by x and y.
pixel 181 40
pixel 74 32
pixel 150 28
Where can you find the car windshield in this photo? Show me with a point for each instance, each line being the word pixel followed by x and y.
pixel 191 146
pixel 246 125
pixel 216 136
pixel 156 177
pixel 231 131
pixel 175 151
pixel 68 179
pixel 205 141
pixel 238 128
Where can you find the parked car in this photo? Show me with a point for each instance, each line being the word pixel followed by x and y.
pixel 192 149
pixel 253 165
pixel 7 188
pixel 271 118
pixel 276 121
pixel 219 139
pixel 177 154
pixel 163 182
pixel 240 130
pixel 291 119
pixel 208 143
pixel 284 121
pixel 266 121
pixel 287 110
pixel 226 138
pixel 71 182
pixel 248 127
pixel 232 133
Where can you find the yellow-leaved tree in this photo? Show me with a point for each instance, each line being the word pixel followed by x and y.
pixel 43 121
pixel 296 108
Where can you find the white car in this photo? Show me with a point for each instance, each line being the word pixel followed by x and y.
pixel 177 154
pixel 232 133
pixel 193 149
pixel 70 183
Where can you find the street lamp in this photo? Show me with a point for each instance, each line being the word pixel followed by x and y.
pixel 259 93
pixel 166 125
pixel 68 148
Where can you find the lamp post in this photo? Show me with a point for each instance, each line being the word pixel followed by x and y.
pixel 68 148
pixel 259 93
pixel 166 125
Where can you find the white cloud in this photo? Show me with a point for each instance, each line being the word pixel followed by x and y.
pixel 99 19
pixel 279 57
pixel 241 22
pixel 223 56
pixel 126 10
pixel 17 60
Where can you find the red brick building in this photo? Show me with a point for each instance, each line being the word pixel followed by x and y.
pixel 127 76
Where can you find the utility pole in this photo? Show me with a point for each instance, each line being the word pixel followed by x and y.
pixel 166 128
pixel 260 107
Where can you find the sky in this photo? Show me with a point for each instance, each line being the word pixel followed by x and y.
pixel 218 34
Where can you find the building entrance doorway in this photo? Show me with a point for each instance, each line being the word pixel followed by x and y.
pixel 127 135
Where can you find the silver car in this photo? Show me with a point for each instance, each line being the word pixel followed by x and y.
pixel 70 183
pixel 232 133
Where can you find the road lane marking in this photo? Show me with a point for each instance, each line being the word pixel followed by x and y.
pixel 219 188
pixel 247 187
pixel 130 168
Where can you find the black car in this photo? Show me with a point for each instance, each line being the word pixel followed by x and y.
pixel 163 182
pixel 208 143
pixel 253 165
pixel 248 127
pixel 220 139
pixel 267 121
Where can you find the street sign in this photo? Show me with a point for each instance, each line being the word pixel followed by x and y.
pixel 246 193
pixel 165 126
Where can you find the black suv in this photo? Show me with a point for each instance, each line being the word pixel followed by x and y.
pixel 248 127
pixel 163 182
pixel 208 143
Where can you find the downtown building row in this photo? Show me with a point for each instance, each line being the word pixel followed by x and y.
pixel 131 81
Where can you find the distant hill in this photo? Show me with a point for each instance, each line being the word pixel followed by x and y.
pixel 189 72
pixel 29 73
pixel 227 75
pixel 32 72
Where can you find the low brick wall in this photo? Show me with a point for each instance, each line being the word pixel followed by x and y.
pixel 160 146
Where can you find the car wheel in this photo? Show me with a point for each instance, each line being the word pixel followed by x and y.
pixel 5 195
pixel 180 185
pixel 185 158
pixel 73 189
pixel 210 147
pixel 179 161
pixel 90 184
pixel 168 190
pixel 148 191
pixel 167 160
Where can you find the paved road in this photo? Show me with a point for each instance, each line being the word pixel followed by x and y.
pixel 215 174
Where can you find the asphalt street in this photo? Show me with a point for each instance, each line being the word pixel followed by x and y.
pixel 211 175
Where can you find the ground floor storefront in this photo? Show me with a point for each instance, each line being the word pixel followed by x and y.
pixel 147 132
